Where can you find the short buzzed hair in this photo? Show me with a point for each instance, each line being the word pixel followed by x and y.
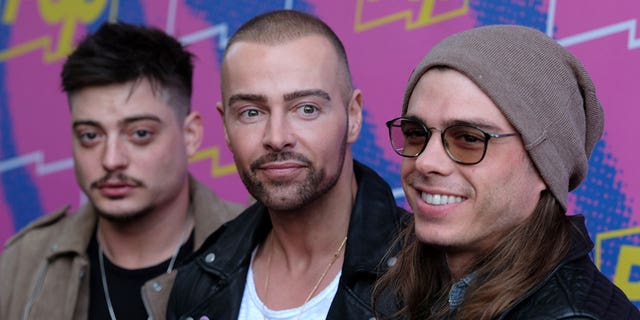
pixel 281 26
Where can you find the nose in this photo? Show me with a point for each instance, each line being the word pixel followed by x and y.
pixel 434 158
pixel 278 134
pixel 114 155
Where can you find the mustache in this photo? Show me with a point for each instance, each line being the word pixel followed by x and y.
pixel 118 177
pixel 277 157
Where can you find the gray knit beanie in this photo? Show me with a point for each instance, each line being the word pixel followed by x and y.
pixel 541 88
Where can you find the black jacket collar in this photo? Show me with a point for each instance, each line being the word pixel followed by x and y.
pixel 370 230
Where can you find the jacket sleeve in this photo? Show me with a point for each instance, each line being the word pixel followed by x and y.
pixel 19 259
pixel 4 285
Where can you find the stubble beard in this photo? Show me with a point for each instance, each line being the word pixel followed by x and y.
pixel 298 194
pixel 124 218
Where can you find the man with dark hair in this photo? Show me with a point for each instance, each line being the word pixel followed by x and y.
pixel 313 244
pixel 129 92
pixel 497 126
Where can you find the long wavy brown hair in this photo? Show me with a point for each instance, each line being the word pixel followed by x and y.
pixel 421 281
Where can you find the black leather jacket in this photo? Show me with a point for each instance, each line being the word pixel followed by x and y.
pixel 212 284
pixel 575 289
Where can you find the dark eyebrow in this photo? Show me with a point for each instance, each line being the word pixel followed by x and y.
pixel 306 93
pixel 85 123
pixel 141 118
pixel 125 121
pixel 478 123
pixel 247 97
pixel 416 119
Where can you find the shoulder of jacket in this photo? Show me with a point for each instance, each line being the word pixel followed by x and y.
pixel 43 222
pixel 234 209
pixel 575 290
pixel 201 193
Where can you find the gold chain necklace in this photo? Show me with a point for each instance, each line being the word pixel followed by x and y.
pixel 315 287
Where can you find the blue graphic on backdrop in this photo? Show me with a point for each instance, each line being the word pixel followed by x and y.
pixel 128 11
pixel 602 201
pixel 510 12
pixel 368 150
pixel 20 191
pixel 241 11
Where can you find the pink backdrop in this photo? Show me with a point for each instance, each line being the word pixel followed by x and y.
pixel 384 40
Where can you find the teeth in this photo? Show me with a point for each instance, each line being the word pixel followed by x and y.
pixel 440 199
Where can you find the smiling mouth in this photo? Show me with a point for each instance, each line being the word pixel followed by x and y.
pixel 440 199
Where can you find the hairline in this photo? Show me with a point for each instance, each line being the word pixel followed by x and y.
pixel 174 97
pixel 346 82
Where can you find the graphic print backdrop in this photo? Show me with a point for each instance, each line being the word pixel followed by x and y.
pixel 384 40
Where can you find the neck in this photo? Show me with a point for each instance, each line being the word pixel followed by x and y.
pixel 317 228
pixel 460 260
pixel 147 241
pixel 459 264
pixel 305 249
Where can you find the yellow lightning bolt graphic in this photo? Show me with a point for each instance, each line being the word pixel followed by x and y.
pixel 213 153
pixel 425 17
pixel 67 13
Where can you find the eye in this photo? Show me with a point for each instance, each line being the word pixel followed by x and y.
pixel 250 115
pixel 308 111
pixel 88 137
pixel 141 136
pixel 413 133
pixel 466 137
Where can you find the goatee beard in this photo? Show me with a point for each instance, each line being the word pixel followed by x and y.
pixel 316 184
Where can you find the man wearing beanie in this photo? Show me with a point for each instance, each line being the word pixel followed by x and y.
pixel 497 126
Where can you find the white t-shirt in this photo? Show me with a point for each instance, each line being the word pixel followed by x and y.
pixel 317 308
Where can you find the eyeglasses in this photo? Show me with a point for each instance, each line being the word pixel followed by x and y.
pixel 464 144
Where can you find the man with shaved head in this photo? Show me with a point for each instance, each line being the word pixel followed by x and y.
pixel 313 244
